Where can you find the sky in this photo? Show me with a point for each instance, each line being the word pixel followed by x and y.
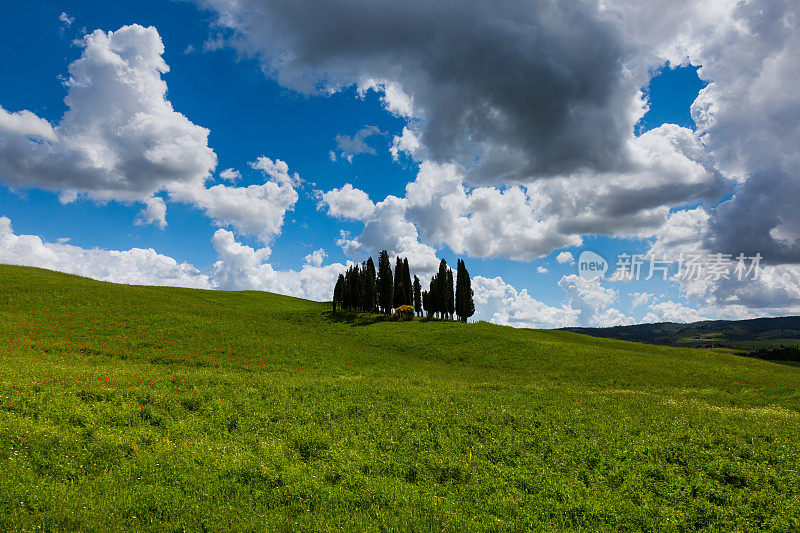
pixel 265 145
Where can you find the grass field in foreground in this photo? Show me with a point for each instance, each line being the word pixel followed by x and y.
pixel 166 409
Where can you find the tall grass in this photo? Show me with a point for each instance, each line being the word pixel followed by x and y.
pixel 127 407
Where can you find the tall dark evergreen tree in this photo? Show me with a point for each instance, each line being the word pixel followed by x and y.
pixel 370 287
pixel 409 288
pixel 417 297
pixel 346 290
pixel 399 289
pixel 354 288
pixel 426 303
pixel 465 305
pixel 385 283
pixel 437 291
pixel 362 286
pixel 338 291
pixel 440 291
pixel 432 297
pixel 459 289
pixel 450 293
pixel 469 308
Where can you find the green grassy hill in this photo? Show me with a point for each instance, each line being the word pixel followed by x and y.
pixel 126 407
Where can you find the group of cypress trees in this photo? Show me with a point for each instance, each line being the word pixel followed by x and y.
pixel 362 288
pixel 442 301
pixel 356 289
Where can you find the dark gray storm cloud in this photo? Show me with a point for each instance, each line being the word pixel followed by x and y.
pixel 510 89
pixel 763 217
pixel 516 90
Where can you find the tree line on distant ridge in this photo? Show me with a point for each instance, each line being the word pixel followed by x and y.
pixel 363 288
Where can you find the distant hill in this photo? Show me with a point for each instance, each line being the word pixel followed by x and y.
pixel 734 334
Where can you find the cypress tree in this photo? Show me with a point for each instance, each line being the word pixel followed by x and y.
pixel 417 297
pixel 346 290
pixel 440 294
pixel 371 287
pixel 409 288
pixel 426 303
pixel 338 291
pixel 359 283
pixel 449 294
pixel 399 289
pixel 432 297
pixel 459 290
pixel 354 286
pixel 465 305
pixel 362 286
pixel 385 284
pixel 435 296
pixel 469 302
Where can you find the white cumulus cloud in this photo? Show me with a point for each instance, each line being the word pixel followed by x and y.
pixel 565 257
pixel 238 267
pixel 136 266
pixel 254 210
pixel 241 267
pixel 120 138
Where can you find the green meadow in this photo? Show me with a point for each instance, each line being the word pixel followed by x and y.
pixel 166 409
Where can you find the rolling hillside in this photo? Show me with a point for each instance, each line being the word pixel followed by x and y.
pixel 126 407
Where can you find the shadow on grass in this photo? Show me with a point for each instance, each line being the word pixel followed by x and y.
pixel 367 319
pixel 787 363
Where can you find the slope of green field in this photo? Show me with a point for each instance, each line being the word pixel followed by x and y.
pixel 166 409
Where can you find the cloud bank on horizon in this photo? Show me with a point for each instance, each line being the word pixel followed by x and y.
pixel 519 118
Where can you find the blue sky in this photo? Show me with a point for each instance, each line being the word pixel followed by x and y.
pixel 218 83
pixel 248 115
